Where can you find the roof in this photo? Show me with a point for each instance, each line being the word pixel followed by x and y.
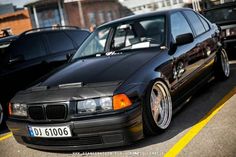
pixel 17 13
pixel 144 15
pixel 40 2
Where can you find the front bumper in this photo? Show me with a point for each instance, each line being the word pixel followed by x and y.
pixel 110 131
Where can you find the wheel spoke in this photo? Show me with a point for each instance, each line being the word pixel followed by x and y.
pixel 225 63
pixel 161 106
pixel 1 113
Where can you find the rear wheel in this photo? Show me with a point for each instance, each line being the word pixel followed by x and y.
pixel 157 111
pixel 222 68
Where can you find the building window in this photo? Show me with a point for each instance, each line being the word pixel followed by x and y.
pixel 109 16
pixel 101 17
pixel 49 17
pixel 92 18
pixel 175 2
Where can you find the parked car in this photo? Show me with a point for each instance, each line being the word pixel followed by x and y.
pixel 33 54
pixel 4 43
pixel 224 15
pixel 125 81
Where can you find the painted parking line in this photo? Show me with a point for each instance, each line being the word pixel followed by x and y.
pixel 182 143
pixel 232 62
pixel 8 135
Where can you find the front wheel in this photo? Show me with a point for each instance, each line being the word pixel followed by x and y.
pixel 1 115
pixel 157 111
pixel 222 69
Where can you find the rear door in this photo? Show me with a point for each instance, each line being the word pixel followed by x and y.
pixel 206 42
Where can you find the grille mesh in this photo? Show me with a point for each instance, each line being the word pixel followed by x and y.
pixel 55 111
pixel 36 112
pixel 50 112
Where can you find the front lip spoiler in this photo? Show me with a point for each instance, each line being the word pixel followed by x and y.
pixel 115 130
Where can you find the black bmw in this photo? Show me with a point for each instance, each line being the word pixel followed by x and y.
pixel 124 82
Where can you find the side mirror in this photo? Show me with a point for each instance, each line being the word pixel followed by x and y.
pixel 184 39
pixel 16 59
pixel 180 40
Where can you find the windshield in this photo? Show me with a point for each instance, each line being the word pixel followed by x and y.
pixel 143 33
pixel 222 14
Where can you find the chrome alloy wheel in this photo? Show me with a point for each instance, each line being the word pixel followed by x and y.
pixel 1 114
pixel 161 105
pixel 225 63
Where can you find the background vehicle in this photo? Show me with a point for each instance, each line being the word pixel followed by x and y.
pixel 4 43
pixel 124 82
pixel 35 53
pixel 224 15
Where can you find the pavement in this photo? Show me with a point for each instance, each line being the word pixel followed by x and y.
pixel 205 126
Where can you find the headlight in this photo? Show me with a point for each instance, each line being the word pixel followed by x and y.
pixel 94 105
pixel 18 110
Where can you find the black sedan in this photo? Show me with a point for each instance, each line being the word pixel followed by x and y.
pixel 224 15
pixel 124 82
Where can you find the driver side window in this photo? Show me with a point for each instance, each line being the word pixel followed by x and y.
pixel 179 25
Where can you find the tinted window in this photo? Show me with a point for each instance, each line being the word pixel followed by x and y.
pixel 205 23
pixel 222 14
pixel 154 29
pixel 141 33
pixel 195 21
pixel 179 25
pixel 94 44
pixel 59 41
pixel 78 36
pixel 30 47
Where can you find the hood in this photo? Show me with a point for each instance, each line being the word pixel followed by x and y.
pixel 87 78
pixel 101 69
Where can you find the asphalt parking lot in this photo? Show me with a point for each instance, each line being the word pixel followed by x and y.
pixel 203 127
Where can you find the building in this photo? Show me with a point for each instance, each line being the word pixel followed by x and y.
pixel 17 21
pixel 92 12
pixel 45 13
pixel 141 6
pixel 7 8
pixel 137 6
pixel 82 13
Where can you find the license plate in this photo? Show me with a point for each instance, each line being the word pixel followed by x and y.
pixel 58 131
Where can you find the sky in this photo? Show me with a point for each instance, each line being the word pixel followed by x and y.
pixel 19 3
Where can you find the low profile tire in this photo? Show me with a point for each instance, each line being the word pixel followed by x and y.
pixel 157 110
pixel 222 69
pixel 1 116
